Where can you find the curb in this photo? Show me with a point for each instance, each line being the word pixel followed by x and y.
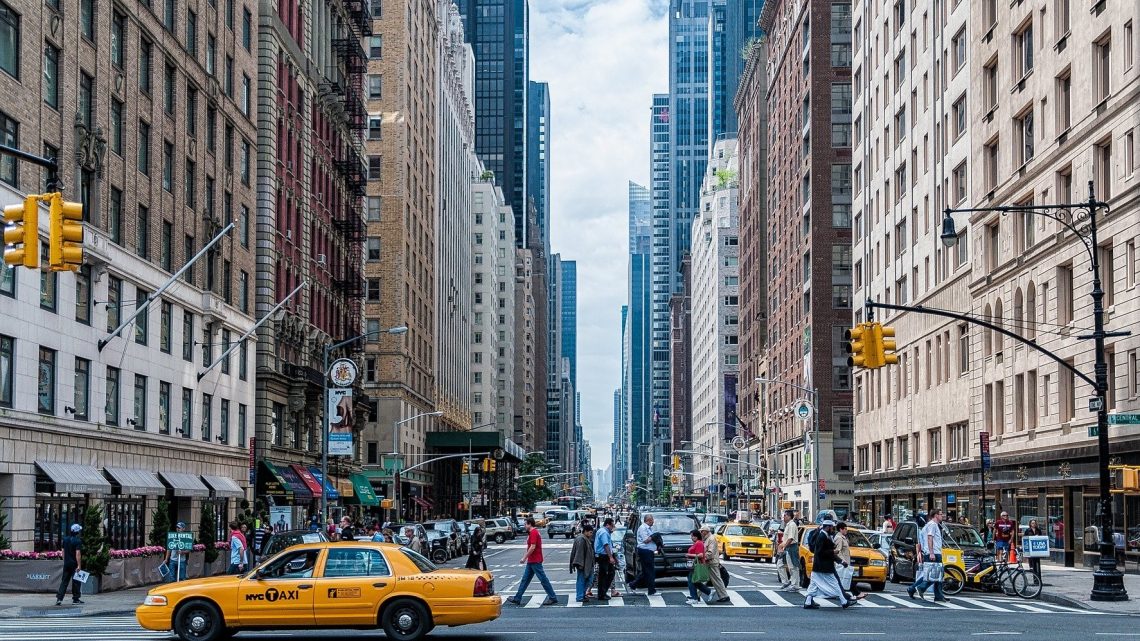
pixel 1058 599
pixel 62 612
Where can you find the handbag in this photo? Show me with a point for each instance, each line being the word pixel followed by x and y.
pixel 724 575
pixel 845 575
pixel 700 573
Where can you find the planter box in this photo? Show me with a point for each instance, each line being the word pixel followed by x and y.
pixel 142 571
pixel 30 576
pixel 113 579
pixel 196 567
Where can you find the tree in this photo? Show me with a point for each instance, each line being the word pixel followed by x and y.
pixel 207 531
pixel 529 492
pixel 4 543
pixel 161 523
pixel 96 552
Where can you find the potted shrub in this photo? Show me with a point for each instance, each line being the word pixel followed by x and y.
pixel 96 553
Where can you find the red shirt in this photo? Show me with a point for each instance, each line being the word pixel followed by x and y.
pixel 1003 529
pixel 697 549
pixel 535 539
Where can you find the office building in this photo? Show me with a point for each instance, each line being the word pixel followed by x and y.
pixel 538 156
pixel 733 27
pixel 569 311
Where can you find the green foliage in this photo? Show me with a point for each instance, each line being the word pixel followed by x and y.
pixel 487 175
pixel 206 531
pixel 96 552
pixel 529 493
pixel 4 543
pixel 160 523
pixel 725 176
pixel 750 46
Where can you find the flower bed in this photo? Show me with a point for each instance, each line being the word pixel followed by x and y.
pixel 42 571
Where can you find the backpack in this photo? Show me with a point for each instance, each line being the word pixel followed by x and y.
pixel 812 538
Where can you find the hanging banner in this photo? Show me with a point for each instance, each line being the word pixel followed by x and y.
pixel 340 421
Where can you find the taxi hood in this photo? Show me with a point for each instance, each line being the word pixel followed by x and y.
pixel 197 586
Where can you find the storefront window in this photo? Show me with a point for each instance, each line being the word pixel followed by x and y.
pixel 1132 530
pixel 221 518
pixel 1055 506
pixel 1027 508
pixel 54 515
pixel 126 522
pixel 1091 531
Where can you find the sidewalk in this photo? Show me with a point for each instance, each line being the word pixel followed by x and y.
pixel 42 604
pixel 1071 587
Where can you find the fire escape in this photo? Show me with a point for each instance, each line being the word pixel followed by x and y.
pixel 349 276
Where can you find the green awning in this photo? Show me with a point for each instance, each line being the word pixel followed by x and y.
pixel 377 474
pixel 363 493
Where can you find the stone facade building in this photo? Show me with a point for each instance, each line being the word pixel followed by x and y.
pixel 493 308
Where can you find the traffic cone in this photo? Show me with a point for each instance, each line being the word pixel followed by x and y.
pixel 1013 554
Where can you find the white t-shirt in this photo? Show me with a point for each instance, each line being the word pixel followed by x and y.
pixel 931 529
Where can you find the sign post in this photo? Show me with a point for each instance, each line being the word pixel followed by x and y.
pixel 177 543
pixel 984 441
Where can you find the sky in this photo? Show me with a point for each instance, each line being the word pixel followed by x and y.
pixel 604 60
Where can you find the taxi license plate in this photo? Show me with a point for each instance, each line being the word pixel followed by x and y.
pixel 751 551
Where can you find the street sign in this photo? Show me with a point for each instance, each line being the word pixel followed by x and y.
pixel 470 483
pixel 823 485
pixel 180 541
pixel 1124 419
pixel 1095 404
pixel 391 463
pixel 1094 430
pixel 984 439
pixel 343 372
pixel 804 410
pixel 822 495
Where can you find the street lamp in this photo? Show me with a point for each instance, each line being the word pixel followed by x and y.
pixel 328 349
pixel 812 496
pixel 1080 219
pixel 396 459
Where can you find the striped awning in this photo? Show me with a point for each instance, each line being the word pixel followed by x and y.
pixel 132 481
pixel 72 478
pixel 184 484
pixel 224 486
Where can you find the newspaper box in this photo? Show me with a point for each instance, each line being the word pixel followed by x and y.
pixel 1035 547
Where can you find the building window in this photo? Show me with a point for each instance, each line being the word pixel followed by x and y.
pixel 247 29
pixel 1102 169
pixel 144 148
pixel 246 94
pixel 191 116
pixel 1023 137
pixel 226 336
pixel 118 38
pixel 958 44
pixel 163 407
pixel 1064 109
pixel 192 33
pixel 111 396
pixel 243 360
pixel 145 53
pixel 187 412
pixel 224 422
pixel 990 165
pixel 934 439
pixel 1061 17
pixel 1102 69
pixel 82 396
pixel 375 86
pixel 207 344
pixel 373 249
pixel 375 130
pixel 187 336
pixel 246 153
pixel 9 40
pixel 1023 51
pixel 376 47
pixel 373 290
pixel 141 324
pixel 51 76
pixel 49 283
pixel 374 167
pixel 207 416
pixel 241 425
pixel 46 380
pixel 139 418
pixel 9 135
pixel 990 85
pixel 961 183
pixel 960 116
pixel 7 370
pixel 117 126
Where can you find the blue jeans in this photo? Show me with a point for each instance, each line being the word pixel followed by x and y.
pixel 694 587
pixel 648 577
pixel 584 582
pixel 177 569
pixel 532 570
pixel 921 584
pixel 236 569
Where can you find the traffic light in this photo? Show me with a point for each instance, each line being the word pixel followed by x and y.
pixel 581 478
pixel 486 465
pixel 857 338
pixel 540 482
pixel 493 465
pixel 65 243
pixel 466 467
pixel 885 345
pixel 676 461
pixel 22 232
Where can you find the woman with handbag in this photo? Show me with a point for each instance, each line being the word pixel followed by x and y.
pixel 478 544
pixel 843 553
pixel 699 575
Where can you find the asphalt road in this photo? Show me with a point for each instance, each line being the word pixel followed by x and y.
pixel 757 611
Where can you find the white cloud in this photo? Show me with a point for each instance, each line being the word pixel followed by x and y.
pixel 604 60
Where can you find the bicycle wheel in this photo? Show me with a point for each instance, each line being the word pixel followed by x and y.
pixel 953 580
pixel 1028 584
pixel 1006 581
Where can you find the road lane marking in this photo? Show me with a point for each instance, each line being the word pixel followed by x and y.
pixel 1032 608
pixel 825 603
pixel 616 602
pixel 629 632
pixel 535 601
pixel 743 632
pixel 994 634
pixel 868 603
pixel 738 600
pixel 656 601
pixel 862 634
pixel 981 604
pixel 573 602
pixel 775 597
pixel 906 603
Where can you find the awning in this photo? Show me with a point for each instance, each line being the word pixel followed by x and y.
pixel 132 481
pixel 330 491
pixel 294 483
pixel 224 486
pixel 185 484
pixel 71 478
pixel 309 480
pixel 422 503
pixel 344 486
pixel 363 493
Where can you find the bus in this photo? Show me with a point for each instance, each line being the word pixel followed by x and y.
pixel 568 502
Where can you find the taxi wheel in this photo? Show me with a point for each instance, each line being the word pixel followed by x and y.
pixel 406 620
pixel 439 556
pixel 499 538
pixel 200 621
pixel 804 581
pixel 724 555
pixel 878 587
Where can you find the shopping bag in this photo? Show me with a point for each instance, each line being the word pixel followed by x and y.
pixel 81 576
pixel 724 575
pixel 700 573
pixel 845 574
pixel 934 572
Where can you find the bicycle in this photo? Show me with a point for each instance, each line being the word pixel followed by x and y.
pixel 988 574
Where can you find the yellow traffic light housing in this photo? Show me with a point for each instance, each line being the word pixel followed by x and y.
pixel 676 461
pixel 540 482
pixel 493 464
pixel 22 232
pixel 65 244
pixel 386 504
pixel 466 467
pixel 857 342
pixel 885 344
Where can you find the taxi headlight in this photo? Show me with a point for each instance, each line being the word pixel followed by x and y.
pixel 879 563
pixel 154 599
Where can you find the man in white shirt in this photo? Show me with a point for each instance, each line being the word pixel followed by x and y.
pixel 789 569
pixel 646 548
pixel 931 557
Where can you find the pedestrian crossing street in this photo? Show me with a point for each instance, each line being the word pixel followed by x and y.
pixel 764 598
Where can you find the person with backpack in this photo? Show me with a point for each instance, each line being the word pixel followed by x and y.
pixel 789 569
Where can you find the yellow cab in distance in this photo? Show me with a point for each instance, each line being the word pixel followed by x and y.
pixel 870 564
pixel 360 585
pixel 744 540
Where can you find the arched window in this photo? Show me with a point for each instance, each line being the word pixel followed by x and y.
pixel 988 335
pixel 1031 311
pixel 999 344
pixel 1018 311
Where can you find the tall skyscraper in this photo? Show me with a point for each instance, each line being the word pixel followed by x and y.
pixel 538 156
pixel 636 382
pixel 499 34
pixel 640 219
pixel 732 25
pixel 569 311
pixel 810 250
pixel 555 392
pixel 655 350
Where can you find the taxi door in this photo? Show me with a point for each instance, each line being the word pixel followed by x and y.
pixel 353 582
pixel 280 594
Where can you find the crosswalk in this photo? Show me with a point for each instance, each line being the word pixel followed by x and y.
pixel 763 598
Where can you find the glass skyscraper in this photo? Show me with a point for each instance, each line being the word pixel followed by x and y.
pixel 538 156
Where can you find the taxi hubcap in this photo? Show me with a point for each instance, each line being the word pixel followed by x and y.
pixel 405 620
pixel 199 622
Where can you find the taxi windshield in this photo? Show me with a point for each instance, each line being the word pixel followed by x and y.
pixel 962 535
pixel 743 530
pixel 419 560
pixel 857 539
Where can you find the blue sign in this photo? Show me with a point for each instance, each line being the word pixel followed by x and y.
pixel 822 495
pixel 951 498
pixel 985 461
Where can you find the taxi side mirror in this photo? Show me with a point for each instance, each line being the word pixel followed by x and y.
pixel 260 573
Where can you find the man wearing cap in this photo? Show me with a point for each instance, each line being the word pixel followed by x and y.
pixel 824 581
pixel 712 558
pixel 72 563
pixel 177 560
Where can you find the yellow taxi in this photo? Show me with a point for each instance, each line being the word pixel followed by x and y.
pixel 870 564
pixel 326 585
pixel 743 540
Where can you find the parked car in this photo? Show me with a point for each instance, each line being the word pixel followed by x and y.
pixel 562 524
pixel 519 523
pixel 439 546
pixel 869 564
pixel 674 528
pixel 287 539
pixel 711 519
pixel 498 529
